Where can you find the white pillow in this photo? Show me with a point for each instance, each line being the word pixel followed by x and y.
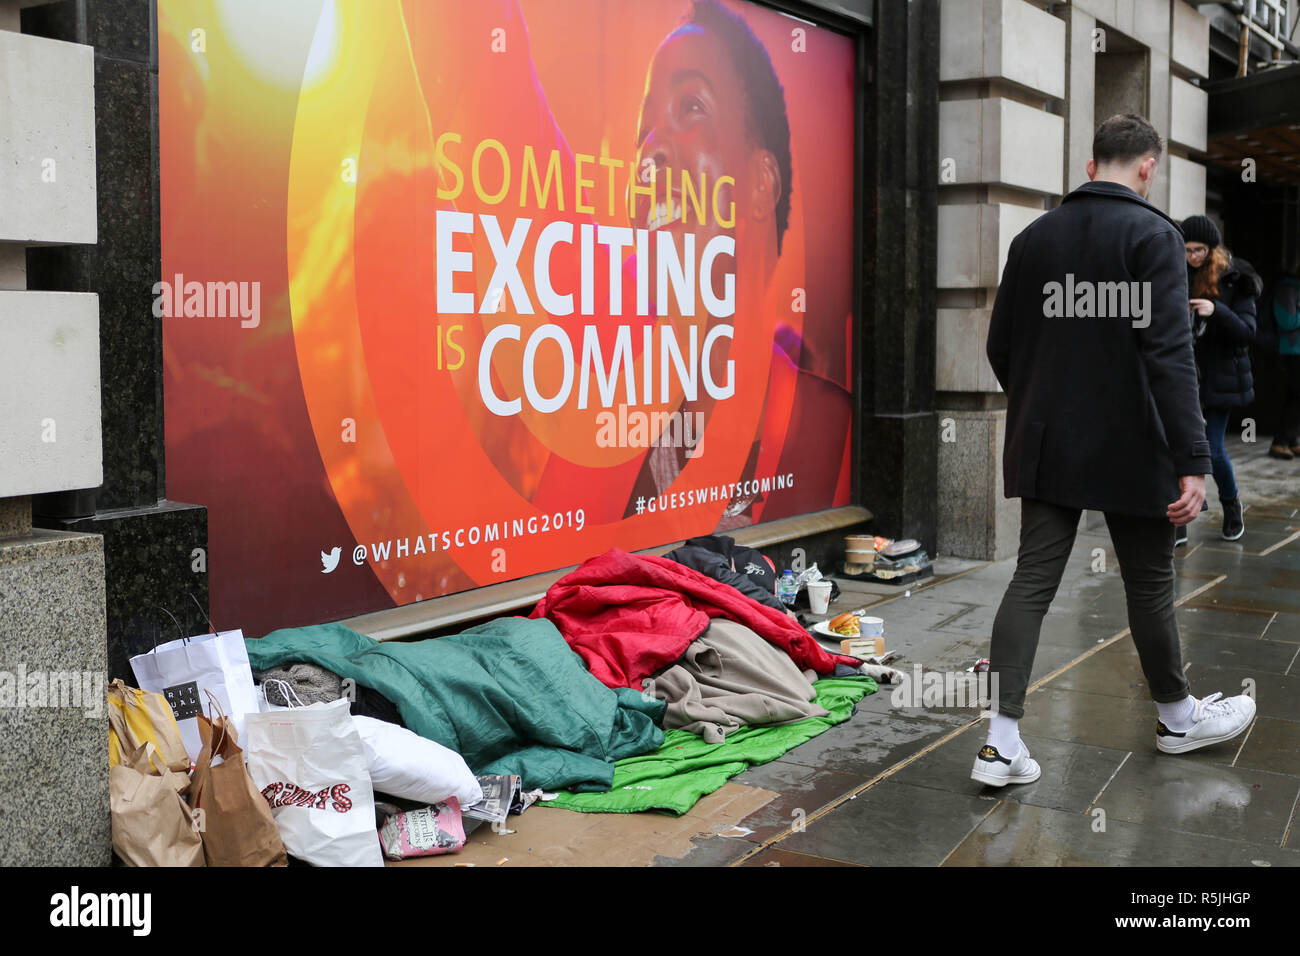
pixel 404 764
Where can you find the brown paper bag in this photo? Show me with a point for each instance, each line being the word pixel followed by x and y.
pixel 235 820
pixel 151 823
pixel 137 717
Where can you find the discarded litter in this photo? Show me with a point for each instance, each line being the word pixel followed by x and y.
pixel 736 832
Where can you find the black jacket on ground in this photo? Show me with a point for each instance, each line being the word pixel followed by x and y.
pixel 1102 412
pixel 715 556
pixel 1223 340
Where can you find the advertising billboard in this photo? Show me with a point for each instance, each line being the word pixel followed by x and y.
pixel 455 293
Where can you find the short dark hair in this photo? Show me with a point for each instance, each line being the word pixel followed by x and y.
pixel 766 120
pixel 1125 137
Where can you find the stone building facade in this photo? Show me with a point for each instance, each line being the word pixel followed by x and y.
pixel 1022 87
pixel 53 772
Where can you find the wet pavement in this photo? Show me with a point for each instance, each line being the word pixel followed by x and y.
pixel 891 786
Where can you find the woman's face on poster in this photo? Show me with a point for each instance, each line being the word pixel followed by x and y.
pixel 693 121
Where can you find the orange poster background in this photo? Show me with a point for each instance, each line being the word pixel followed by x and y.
pixel 297 152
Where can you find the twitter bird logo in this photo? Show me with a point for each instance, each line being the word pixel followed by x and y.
pixel 330 561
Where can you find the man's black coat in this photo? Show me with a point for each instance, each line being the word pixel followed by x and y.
pixel 1102 408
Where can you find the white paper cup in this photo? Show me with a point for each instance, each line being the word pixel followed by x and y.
pixel 819 596
pixel 872 626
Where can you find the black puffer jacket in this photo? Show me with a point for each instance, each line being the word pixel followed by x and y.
pixel 1223 340
pixel 722 559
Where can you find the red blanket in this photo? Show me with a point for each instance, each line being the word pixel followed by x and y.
pixel 630 615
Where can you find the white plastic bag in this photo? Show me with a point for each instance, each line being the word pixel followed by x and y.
pixel 185 670
pixel 310 765
pixel 404 764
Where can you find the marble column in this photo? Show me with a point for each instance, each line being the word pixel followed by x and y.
pixel 897 463
pixel 53 766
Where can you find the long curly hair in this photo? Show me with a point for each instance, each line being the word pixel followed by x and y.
pixel 1204 281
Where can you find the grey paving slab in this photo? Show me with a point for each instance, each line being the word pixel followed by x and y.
pixel 1072 774
pixel 1275 695
pixel 970 618
pixel 1113 671
pixel 1112 600
pixel 1209 559
pixel 947 565
pixel 1082 630
pixel 1238 653
pixel 1283 627
pixel 1263 527
pixel 1228 557
pixel 1051 657
pixel 976 588
pixel 1235 803
pixel 893 824
pixel 802 792
pixel 1099 720
pixel 1272 745
pixel 1280 508
pixel 1208 620
pixel 1020 834
pixel 958 656
pixel 1278 593
pixel 865 592
pixel 952 655
pixel 898 700
pixel 920 614
pixel 871 742
pixel 708 851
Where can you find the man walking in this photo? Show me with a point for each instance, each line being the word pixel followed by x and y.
pixel 1090 338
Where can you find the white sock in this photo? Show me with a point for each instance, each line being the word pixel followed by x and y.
pixel 1178 715
pixel 1004 735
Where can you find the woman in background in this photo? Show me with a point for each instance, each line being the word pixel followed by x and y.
pixel 1223 293
pixel 1286 321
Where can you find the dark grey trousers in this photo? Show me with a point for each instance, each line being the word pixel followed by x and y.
pixel 1144 548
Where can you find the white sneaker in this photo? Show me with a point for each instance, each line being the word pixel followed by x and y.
pixel 1214 721
pixel 995 770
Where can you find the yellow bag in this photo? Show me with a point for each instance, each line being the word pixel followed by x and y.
pixel 137 717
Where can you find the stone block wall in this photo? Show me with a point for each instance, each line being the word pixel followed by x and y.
pixel 53 651
pixel 1022 88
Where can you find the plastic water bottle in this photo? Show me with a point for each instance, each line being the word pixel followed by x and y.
pixel 787 590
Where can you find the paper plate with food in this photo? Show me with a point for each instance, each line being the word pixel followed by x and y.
pixel 850 624
pixel 858 636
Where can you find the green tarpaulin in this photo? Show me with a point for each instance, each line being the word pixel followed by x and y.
pixel 686 768
pixel 509 696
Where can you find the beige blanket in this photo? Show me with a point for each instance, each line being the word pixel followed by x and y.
pixel 728 678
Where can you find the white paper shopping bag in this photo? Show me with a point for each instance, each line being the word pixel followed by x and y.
pixel 310 765
pixel 185 670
